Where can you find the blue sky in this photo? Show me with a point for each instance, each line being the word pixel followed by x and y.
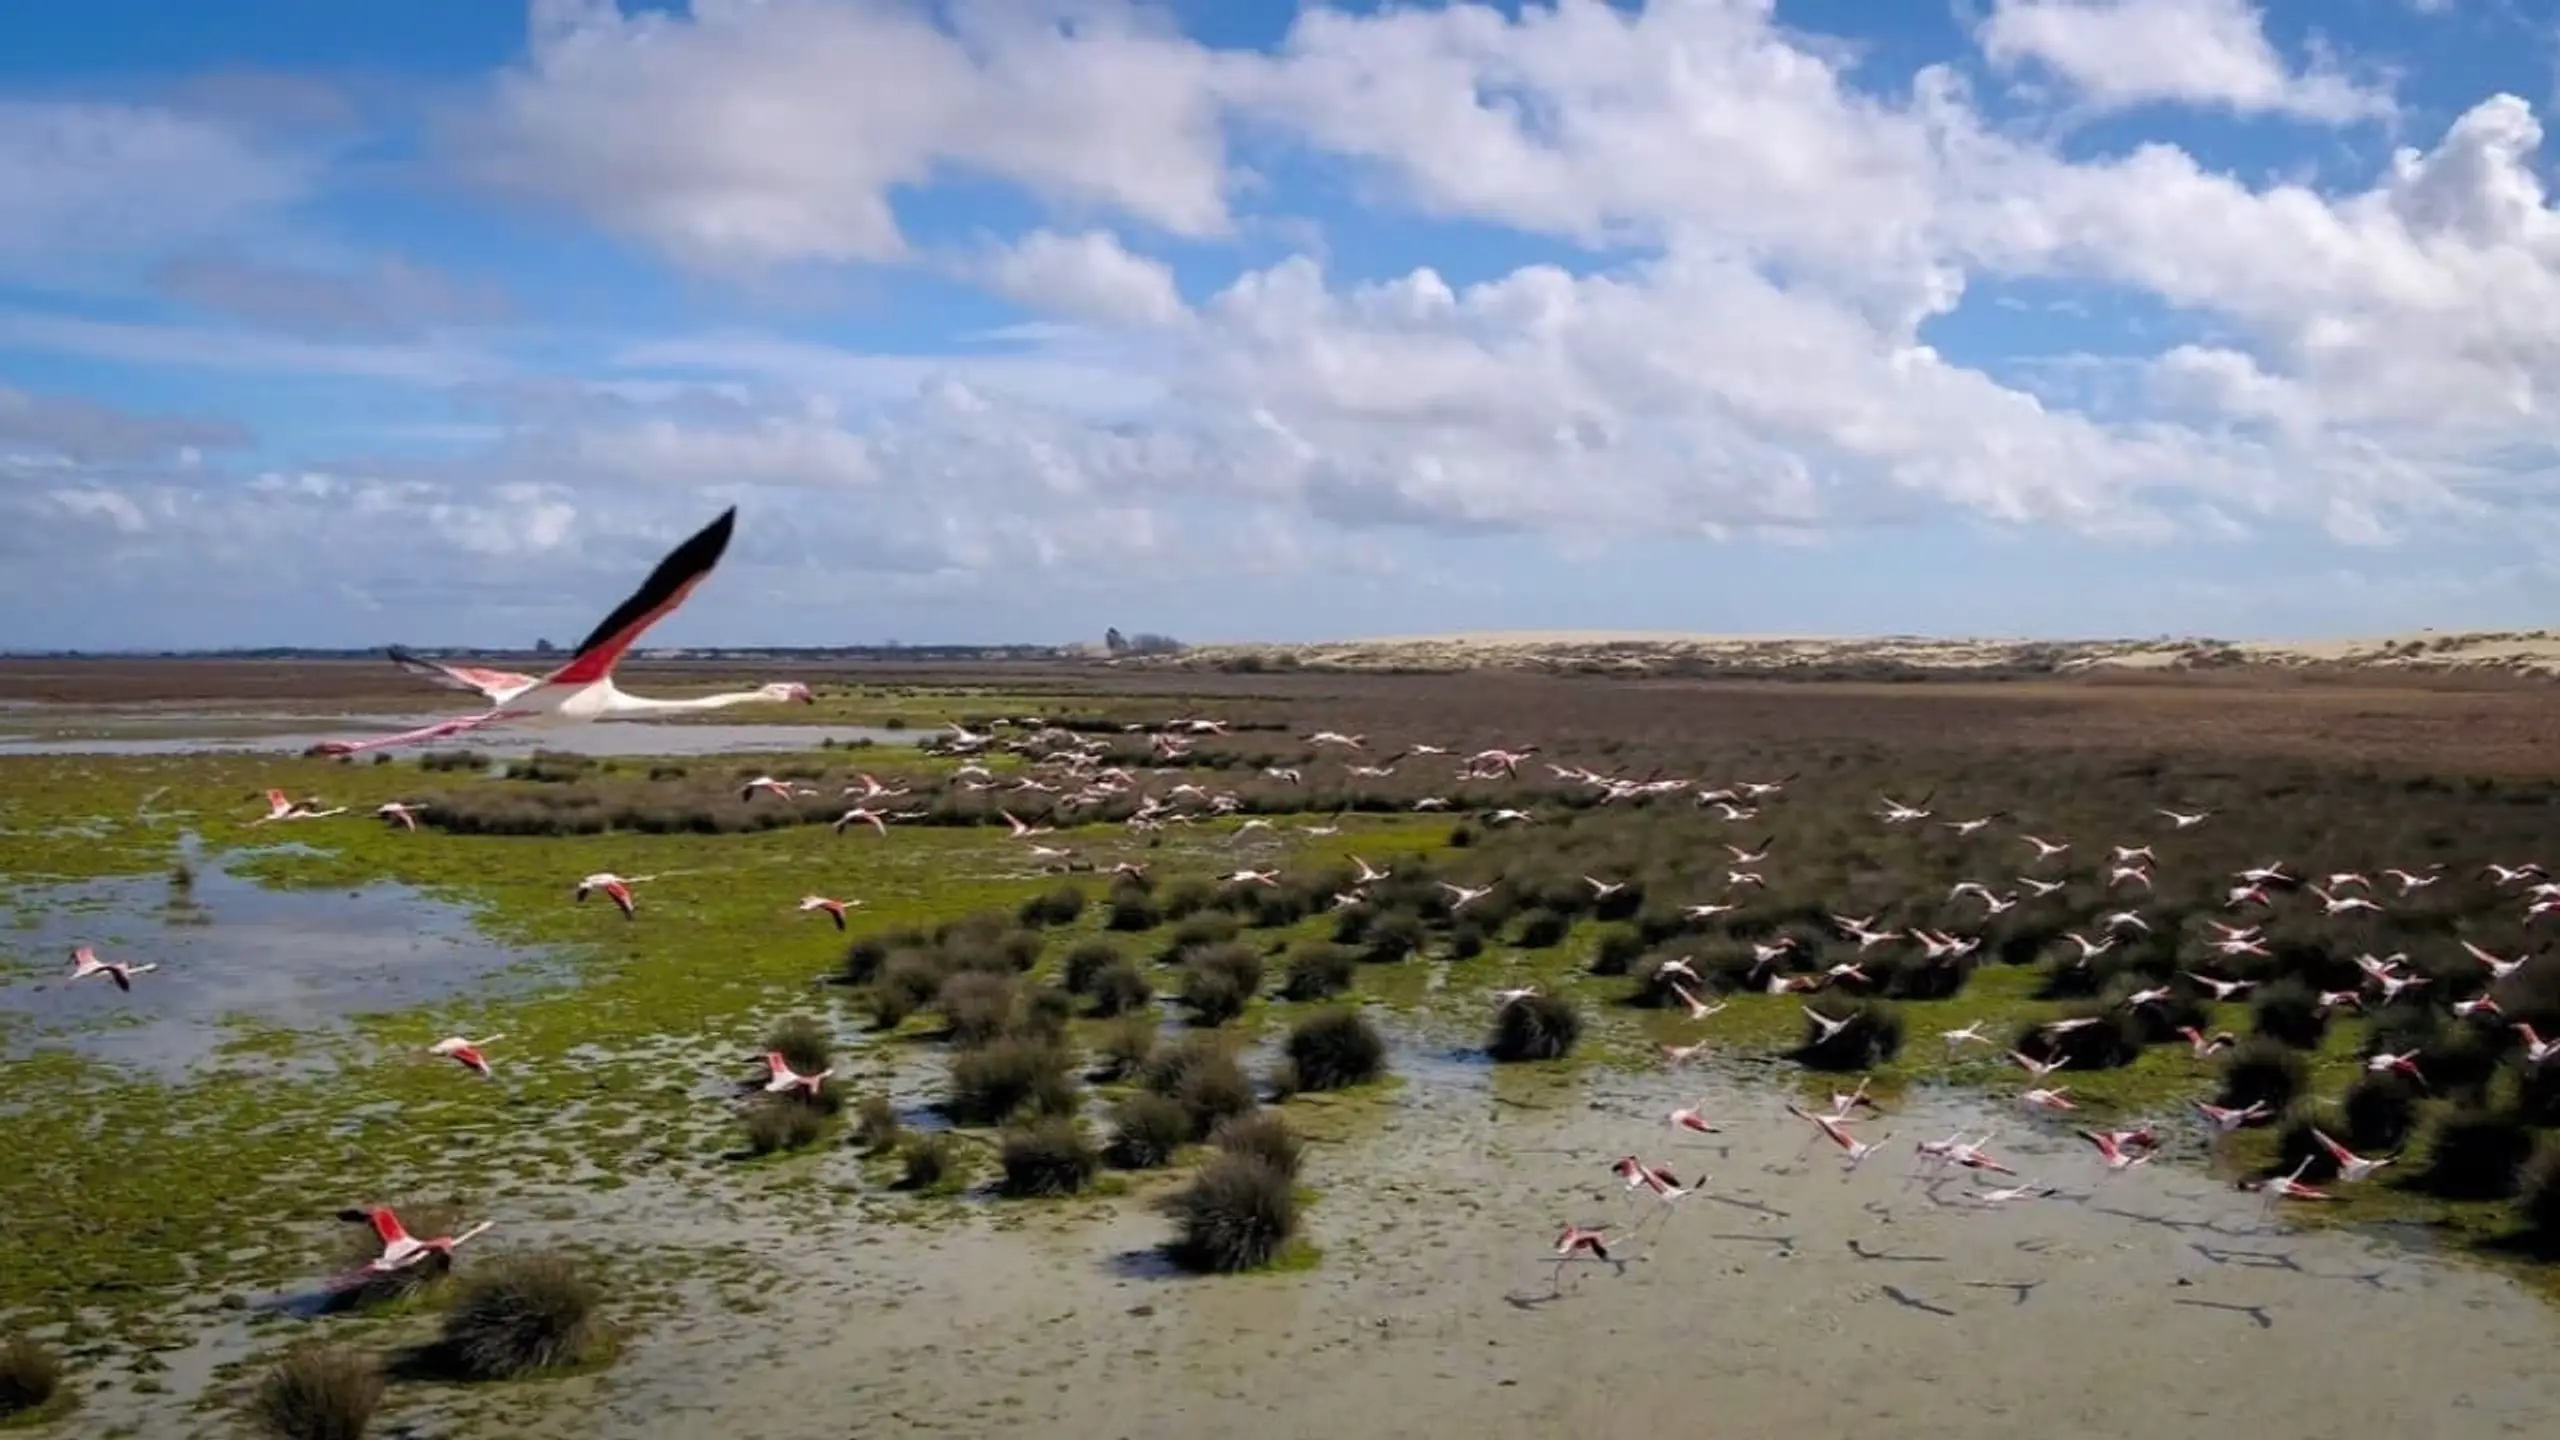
pixel 342 325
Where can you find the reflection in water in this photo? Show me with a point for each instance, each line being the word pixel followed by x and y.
pixel 229 951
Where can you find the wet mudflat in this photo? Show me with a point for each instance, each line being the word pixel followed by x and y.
pixel 1785 1297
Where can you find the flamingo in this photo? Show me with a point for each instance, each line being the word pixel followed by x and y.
pixel 2188 821
pixel 400 810
pixel 465 1053
pixel 2285 1187
pixel 835 908
pixel 2046 849
pixel 781 1079
pixel 2351 1166
pixel 400 1249
pixel 616 888
pixel 2114 1151
pixel 1825 1026
pixel 583 691
pixel 778 789
pixel 85 963
pixel 281 806
pixel 1693 1118
pixel 1575 1243
pixel 1460 896
pixel 2058 1098
pixel 863 815
pixel 2499 966
pixel 2038 1069
pixel 2537 1051
pixel 2205 1045
pixel 2404 1063
pixel 1970 1034
pixel 1832 1130
pixel 1698 1009
pixel 2224 1119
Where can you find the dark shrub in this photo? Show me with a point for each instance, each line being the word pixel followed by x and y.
pixel 776 1123
pixel 929 1163
pixel 30 1376
pixel 1335 1049
pixel 1125 1047
pixel 907 980
pixel 1132 911
pixel 2115 1040
pixel 995 1082
pixel 1199 932
pixel 2539 1204
pixel 1120 989
pixel 1048 1157
pixel 1318 971
pixel 1146 1130
pixel 1043 1013
pixel 809 1044
pixel 2261 1070
pixel 1240 963
pixel 2379 1111
pixel 319 1392
pixel 1203 1077
pixel 1872 1036
pixel 1392 936
pixel 1264 1136
pixel 521 1314
pixel 1236 1214
pixel 1212 996
pixel 2476 1155
pixel 875 1125
pixel 1466 939
pixel 1085 964
pixel 864 958
pixel 1188 897
pixel 1534 1027
pixel 1543 930
pixel 2288 1012
pixel 976 1007
pixel 1057 907
pixel 1618 952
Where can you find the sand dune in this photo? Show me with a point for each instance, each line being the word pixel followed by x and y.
pixel 2523 652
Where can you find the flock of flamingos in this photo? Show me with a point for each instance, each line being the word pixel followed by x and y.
pixel 583 690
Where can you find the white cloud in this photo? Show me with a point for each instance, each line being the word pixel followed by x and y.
pixel 1764 259
pixel 756 132
pixel 2121 53
pixel 1088 276
pixel 87 185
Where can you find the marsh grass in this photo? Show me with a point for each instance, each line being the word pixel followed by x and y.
pixel 319 1391
pixel 1120 989
pixel 1264 1136
pixel 2475 1154
pixel 30 1379
pixel 1334 1050
pixel 1007 1077
pixel 1534 1027
pixel 522 1314
pixel 1049 1157
pixel 930 1164
pixel 1236 1214
pixel 1147 1131
pixel 1318 970
pixel 1201 1076
pixel 875 1125
pixel 1125 1046
pixel 777 1124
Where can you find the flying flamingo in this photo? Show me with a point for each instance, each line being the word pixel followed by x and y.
pixel 2115 1152
pixel 2537 1051
pixel 583 691
pixel 1838 1134
pixel 1693 1119
pixel 616 888
pixel 2351 1166
pixel 465 1053
pixel 85 963
pixel 1575 1243
pixel 400 810
pixel 2224 1119
pixel 835 908
pixel 2058 1098
pixel 281 806
pixel 400 1249
pixel 782 1079
pixel 2284 1187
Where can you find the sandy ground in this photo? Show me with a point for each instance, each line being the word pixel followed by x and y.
pixel 1787 1297
pixel 2526 652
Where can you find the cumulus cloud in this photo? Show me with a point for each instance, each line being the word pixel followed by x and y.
pixel 92 184
pixel 2116 54
pixel 1750 318
pixel 757 132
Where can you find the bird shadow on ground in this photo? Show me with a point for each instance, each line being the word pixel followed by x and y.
pixel 2018 1289
pixel 2257 1313
pixel 1859 1248
pixel 1909 1301
pixel 2248 1259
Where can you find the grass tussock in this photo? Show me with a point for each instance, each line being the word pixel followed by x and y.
pixel 876 1127
pixel 1334 1050
pixel 1048 1157
pixel 319 1391
pixel 1264 1136
pixel 522 1314
pixel 1201 1076
pixel 30 1378
pixel 2476 1154
pixel 1009 1077
pixel 777 1124
pixel 1147 1131
pixel 1236 1214
pixel 930 1164
pixel 1534 1027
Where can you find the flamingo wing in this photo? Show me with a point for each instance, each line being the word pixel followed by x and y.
pixel 487 683
pixel 667 586
pixel 459 725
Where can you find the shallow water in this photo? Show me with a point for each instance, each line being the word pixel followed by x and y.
pixel 231 952
pixel 295 734
pixel 1786 1297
